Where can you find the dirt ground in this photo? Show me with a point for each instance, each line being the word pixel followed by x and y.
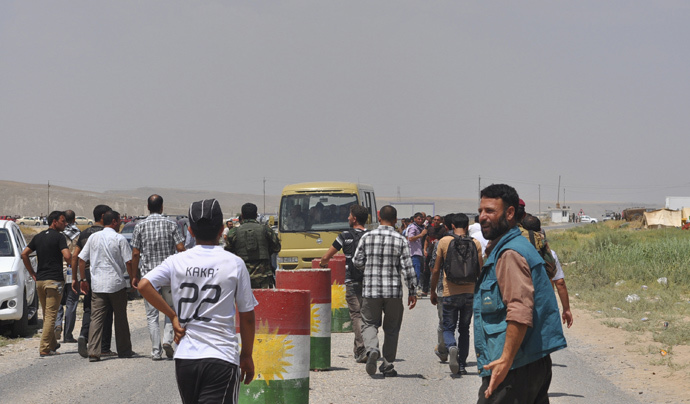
pixel 625 359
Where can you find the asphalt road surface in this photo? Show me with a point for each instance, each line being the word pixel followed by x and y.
pixel 577 375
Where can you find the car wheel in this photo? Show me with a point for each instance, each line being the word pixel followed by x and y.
pixel 21 223
pixel 33 310
pixel 20 328
pixel 90 223
pixel 38 224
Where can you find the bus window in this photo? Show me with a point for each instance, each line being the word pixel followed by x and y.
pixel 315 212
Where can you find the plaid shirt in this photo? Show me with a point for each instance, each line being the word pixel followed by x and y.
pixel 384 255
pixel 71 231
pixel 156 238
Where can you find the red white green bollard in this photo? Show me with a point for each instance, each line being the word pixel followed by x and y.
pixel 281 348
pixel 341 321
pixel 318 283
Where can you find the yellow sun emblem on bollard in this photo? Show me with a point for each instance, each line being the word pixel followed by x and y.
pixel 315 322
pixel 270 351
pixel 338 296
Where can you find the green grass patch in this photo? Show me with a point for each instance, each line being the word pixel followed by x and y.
pixel 3 341
pixel 609 263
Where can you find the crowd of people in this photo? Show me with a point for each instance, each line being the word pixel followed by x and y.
pixel 499 271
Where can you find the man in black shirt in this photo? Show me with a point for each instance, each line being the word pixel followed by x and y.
pixel 83 338
pixel 51 249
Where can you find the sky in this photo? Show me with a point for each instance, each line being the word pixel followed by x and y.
pixel 417 98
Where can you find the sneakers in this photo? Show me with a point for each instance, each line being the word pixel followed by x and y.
pixel 442 356
pixel 58 332
pixel 156 358
pixel 453 357
pixel 129 355
pixel 371 362
pixel 462 371
pixel 361 358
pixel 81 347
pixel 387 369
pixel 169 352
pixel 94 358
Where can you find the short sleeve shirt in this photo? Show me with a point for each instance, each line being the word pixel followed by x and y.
pixel 207 283
pixel 559 268
pixel 48 246
pixel 156 238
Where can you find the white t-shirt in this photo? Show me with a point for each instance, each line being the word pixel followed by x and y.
pixel 559 269
pixel 206 282
pixel 475 231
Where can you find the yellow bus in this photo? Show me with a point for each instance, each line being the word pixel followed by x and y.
pixel 312 214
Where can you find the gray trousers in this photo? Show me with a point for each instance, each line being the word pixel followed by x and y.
pixel 353 296
pixel 382 311
pixel 154 325
pixel 118 303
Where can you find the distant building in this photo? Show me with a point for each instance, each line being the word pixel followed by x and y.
pixel 559 215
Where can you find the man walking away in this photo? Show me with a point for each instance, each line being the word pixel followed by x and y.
pixel 415 233
pixel 110 256
pixel 516 321
pixel 107 333
pixel 51 249
pixel 70 299
pixel 254 243
pixel 457 297
pixel 384 256
pixel 154 239
pixel 207 357
pixel 348 242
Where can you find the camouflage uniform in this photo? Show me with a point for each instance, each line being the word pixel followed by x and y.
pixel 539 242
pixel 254 243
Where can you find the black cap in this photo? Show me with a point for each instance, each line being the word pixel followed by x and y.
pixel 208 209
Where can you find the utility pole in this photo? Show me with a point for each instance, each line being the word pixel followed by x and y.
pixel 540 198
pixel 48 211
pixel 399 197
pixel 264 195
pixel 558 200
pixel 479 192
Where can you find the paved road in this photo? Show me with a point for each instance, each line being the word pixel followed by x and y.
pixel 422 378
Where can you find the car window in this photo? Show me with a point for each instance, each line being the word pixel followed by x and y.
pixel 6 249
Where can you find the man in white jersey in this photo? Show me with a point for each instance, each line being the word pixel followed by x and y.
pixel 206 283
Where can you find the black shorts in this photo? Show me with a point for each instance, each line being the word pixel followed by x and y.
pixel 207 380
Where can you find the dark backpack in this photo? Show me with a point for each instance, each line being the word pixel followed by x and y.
pixel 351 239
pixel 461 265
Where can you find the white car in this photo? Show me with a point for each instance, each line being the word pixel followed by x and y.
pixel 587 219
pixel 18 297
pixel 82 220
pixel 29 221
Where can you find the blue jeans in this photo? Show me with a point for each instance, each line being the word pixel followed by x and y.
pixel 457 314
pixel 417 261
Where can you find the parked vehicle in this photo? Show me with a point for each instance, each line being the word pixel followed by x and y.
pixel 18 297
pixel 82 220
pixel 587 219
pixel 12 218
pixel 313 214
pixel 29 221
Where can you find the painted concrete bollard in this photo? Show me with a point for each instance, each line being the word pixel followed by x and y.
pixel 341 321
pixel 318 283
pixel 281 348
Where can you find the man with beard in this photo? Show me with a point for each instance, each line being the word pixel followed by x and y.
pixel 516 319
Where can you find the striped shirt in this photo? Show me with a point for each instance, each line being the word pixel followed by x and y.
pixel 156 238
pixel 384 256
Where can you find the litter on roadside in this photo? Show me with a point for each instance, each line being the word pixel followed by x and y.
pixel 632 298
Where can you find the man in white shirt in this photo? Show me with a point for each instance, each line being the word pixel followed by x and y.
pixel 207 283
pixel 110 255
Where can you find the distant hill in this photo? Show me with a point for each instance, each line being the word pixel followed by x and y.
pixel 32 200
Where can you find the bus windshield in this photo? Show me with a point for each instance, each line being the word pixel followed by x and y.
pixel 315 212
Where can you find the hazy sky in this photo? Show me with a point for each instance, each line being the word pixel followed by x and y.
pixel 417 96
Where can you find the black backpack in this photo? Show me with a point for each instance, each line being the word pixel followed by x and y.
pixel 351 241
pixel 461 265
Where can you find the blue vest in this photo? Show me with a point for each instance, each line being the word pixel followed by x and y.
pixel 545 335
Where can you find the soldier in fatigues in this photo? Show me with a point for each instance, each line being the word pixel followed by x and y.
pixel 254 243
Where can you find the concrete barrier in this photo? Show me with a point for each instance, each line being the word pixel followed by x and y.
pixel 341 321
pixel 318 283
pixel 281 348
